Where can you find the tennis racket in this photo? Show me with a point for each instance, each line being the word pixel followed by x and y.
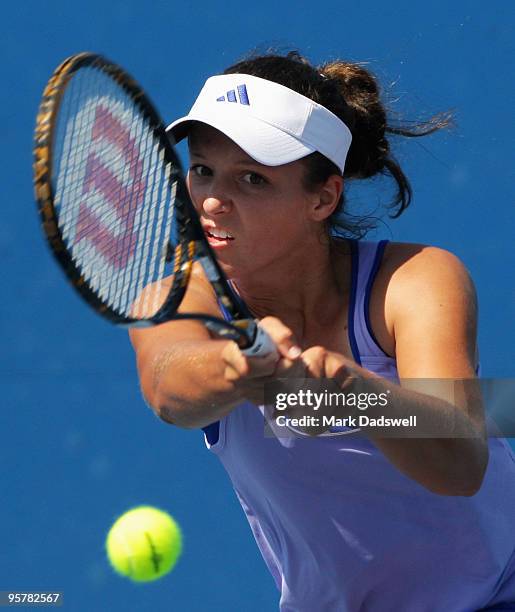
pixel 115 207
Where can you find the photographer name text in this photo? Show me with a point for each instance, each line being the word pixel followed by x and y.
pixel 361 420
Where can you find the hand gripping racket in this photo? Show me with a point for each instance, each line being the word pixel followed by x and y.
pixel 115 206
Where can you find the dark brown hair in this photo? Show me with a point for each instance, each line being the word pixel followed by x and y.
pixel 352 93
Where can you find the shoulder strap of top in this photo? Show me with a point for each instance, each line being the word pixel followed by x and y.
pixel 366 259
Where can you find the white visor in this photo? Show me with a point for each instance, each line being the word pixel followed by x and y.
pixel 271 123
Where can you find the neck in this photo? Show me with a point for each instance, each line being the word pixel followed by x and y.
pixel 309 286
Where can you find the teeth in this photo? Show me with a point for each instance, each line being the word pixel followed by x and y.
pixel 219 233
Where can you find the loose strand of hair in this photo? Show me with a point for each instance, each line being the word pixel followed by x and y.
pixel 435 123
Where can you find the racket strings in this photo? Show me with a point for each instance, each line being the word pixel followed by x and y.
pixel 114 195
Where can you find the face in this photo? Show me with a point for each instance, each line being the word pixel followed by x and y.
pixel 253 215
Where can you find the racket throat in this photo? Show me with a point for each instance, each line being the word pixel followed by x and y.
pixel 243 338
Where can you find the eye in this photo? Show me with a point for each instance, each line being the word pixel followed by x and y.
pixel 254 179
pixel 200 170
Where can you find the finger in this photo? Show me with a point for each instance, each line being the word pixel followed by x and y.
pixel 314 360
pixel 283 337
pixel 239 366
pixel 339 368
pixel 234 359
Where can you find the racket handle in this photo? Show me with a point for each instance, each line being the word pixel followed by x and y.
pixel 262 345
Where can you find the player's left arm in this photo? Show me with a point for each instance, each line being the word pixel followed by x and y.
pixel 432 304
pixel 434 309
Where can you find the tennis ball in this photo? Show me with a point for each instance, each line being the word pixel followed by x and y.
pixel 144 544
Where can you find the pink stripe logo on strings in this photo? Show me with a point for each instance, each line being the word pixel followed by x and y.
pixel 118 248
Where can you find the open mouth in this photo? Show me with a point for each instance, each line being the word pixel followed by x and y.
pixel 218 236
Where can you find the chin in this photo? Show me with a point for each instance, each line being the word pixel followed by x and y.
pixel 233 270
pixel 228 269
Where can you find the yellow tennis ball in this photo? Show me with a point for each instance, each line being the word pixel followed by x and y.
pixel 144 544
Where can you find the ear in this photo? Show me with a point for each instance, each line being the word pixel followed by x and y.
pixel 326 198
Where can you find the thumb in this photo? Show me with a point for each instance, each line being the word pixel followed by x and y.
pixel 283 337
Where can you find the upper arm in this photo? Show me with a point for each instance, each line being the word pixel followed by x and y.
pixel 434 307
pixel 154 345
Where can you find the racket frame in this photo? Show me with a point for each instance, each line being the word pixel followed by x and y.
pixel 193 246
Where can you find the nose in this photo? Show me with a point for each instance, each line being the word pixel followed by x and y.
pixel 216 204
pixel 213 196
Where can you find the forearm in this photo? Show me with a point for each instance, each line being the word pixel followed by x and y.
pixel 187 385
pixel 454 460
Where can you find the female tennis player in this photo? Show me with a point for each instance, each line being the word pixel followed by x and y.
pixel 344 522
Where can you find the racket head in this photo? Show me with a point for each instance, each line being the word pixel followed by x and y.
pixel 104 172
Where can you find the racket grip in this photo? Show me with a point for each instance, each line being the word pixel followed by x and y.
pixel 262 345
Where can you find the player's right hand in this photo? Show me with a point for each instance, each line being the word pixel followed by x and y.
pixel 249 374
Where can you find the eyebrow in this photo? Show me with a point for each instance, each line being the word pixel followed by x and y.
pixel 196 153
pixel 239 162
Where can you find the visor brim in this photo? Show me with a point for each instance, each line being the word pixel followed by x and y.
pixel 265 143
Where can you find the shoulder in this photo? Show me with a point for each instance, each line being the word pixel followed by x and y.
pixel 431 306
pixel 404 252
pixel 414 269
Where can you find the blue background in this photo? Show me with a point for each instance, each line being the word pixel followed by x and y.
pixel 77 444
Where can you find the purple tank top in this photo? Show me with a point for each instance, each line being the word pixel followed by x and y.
pixel 342 530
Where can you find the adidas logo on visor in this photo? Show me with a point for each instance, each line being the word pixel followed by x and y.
pixel 243 97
